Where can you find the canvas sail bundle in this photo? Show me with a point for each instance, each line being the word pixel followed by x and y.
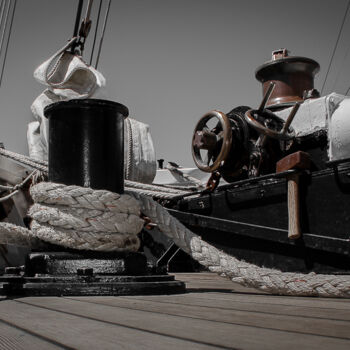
pixel 66 77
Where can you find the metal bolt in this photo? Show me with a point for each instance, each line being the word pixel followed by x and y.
pixel 205 139
pixel 160 163
pixel 85 271
pixel 13 270
pixel 201 204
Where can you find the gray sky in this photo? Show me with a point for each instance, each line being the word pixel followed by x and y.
pixel 172 61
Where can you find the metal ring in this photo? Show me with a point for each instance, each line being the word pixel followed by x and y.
pixel 226 143
pixel 289 134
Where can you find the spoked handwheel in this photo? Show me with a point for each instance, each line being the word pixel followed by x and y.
pixel 253 117
pixel 256 117
pixel 217 141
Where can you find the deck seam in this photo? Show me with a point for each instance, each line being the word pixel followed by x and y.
pixel 273 295
pixel 224 322
pixel 39 336
pixel 124 326
pixel 242 310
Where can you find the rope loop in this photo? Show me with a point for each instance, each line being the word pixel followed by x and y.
pixel 83 218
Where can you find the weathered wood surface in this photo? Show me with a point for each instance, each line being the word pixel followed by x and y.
pixel 214 314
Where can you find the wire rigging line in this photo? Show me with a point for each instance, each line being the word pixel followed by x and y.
pixel 8 40
pixel 336 45
pixel 3 4
pixel 103 33
pixel 5 24
pixel 97 24
pixel 77 18
pixel 341 66
pixel 347 91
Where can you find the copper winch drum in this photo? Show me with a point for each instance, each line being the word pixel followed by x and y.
pixel 292 75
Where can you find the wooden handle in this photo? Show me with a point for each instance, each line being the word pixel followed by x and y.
pixel 294 230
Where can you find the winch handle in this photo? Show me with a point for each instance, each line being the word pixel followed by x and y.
pixel 251 117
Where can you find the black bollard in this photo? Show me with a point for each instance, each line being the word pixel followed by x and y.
pixel 86 148
pixel 86 143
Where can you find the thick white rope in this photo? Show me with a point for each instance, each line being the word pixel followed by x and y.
pixel 156 191
pixel 246 274
pixel 33 163
pixel 73 217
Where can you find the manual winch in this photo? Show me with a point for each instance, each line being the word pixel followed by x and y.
pixel 248 142
pixel 244 143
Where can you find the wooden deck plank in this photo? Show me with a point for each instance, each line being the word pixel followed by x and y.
pixel 290 323
pixel 316 302
pixel 212 281
pixel 77 332
pixel 225 335
pixel 12 338
pixel 207 282
pixel 209 289
pixel 191 299
pixel 215 314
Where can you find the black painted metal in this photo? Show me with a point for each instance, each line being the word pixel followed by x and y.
pixel 250 221
pixel 67 263
pixel 86 143
pixel 87 273
pixel 12 285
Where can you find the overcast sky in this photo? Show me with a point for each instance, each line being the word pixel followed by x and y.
pixel 172 61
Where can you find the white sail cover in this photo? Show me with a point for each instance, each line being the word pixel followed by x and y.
pixel 67 76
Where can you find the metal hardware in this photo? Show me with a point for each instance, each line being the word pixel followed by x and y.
pixel 252 118
pixel 292 76
pixel 213 181
pixel 206 139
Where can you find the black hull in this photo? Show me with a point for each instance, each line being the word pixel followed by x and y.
pixel 249 220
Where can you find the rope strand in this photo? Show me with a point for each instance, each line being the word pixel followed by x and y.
pixel 82 218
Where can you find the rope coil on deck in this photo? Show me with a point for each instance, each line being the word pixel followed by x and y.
pixel 82 218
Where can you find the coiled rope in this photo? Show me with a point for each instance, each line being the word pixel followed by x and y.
pixel 82 218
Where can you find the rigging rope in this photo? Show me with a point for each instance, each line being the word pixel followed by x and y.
pixel 347 91
pixel 103 33
pixel 77 20
pixel 8 40
pixel 96 29
pixel 336 45
pixel 3 5
pixel 15 189
pixel 156 191
pixel 341 68
pixel 82 218
pixel 4 28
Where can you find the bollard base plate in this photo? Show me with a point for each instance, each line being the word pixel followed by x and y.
pixel 86 273
pixel 96 285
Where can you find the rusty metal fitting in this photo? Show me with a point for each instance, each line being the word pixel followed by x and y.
pixel 213 181
pixel 292 75
pixel 86 271
pixel 313 93
pixel 13 270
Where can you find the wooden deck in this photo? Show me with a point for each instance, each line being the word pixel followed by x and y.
pixel 214 314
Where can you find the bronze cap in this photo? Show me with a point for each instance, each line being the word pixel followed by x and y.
pixel 293 75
